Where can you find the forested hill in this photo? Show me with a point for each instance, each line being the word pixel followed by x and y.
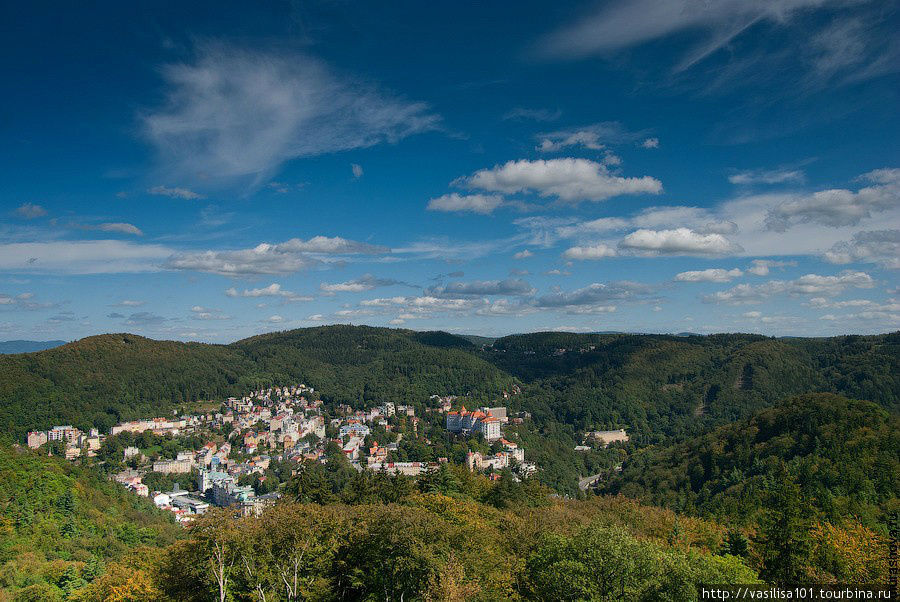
pixel 656 386
pixel 102 379
pixel 60 524
pixel 843 455
pixel 663 386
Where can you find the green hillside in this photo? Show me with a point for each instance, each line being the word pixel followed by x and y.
pixel 100 380
pixel 661 386
pixel 60 524
pixel 844 455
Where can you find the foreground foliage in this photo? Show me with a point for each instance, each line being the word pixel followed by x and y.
pixel 61 524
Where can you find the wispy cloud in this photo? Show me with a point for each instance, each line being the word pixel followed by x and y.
pixel 291 256
pixel 365 282
pixel 30 211
pixel 175 193
pixel 523 114
pixel 233 112
pixel 767 176
pixel 82 256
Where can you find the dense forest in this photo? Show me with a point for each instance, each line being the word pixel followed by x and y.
pixel 843 455
pixel 659 387
pixel 770 437
pixel 339 534
pixel 61 524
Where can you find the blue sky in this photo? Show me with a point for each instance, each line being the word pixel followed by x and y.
pixel 213 171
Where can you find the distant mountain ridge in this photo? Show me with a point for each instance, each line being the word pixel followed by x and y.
pixel 659 386
pixel 18 346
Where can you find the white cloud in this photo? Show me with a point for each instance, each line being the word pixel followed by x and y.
pixel 597 251
pixel 427 305
pixel 474 203
pixel 591 137
pixel 477 288
pixel 273 290
pixel 752 314
pixel 82 257
pixel 199 312
pixel 809 284
pixel 357 170
pixel 263 259
pixel 567 179
pixel 650 143
pixel 520 114
pixel 761 267
pixel 710 275
pixel 129 303
pixel 332 245
pixel 839 207
pixel 175 193
pixel 283 258
pixel 233 112
pixel 523 254
pixel 120 227
pixel 365 282
pixel 23 301
pixel 623 25
pixel 30 211
pixel 762 176
pixel 873 246
pixel 596 297
pixel 680 241
pixel 276 319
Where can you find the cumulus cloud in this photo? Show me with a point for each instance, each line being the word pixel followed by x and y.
pixel 473 203
pixel 763 176
pixel 263 259
pixel 175 193
pixel 198 312
pixel 523 254
pixel 591 137
pixel 23 301
pixel 809 284
pixel 475 288
pixel 273 290
pixel 357 170
pixel 276 319
pixel 30 211
pixel 596 297
pixel 839 207
pixel 365 282
pixel 871 246
pixel 566 179
pixel 864 309
pixel 234 112
pixel 761 267
pixel 597 251
pixel 710 275
pixel 332 245
pixel 650 143
pixel 680 241
pixel 283 258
